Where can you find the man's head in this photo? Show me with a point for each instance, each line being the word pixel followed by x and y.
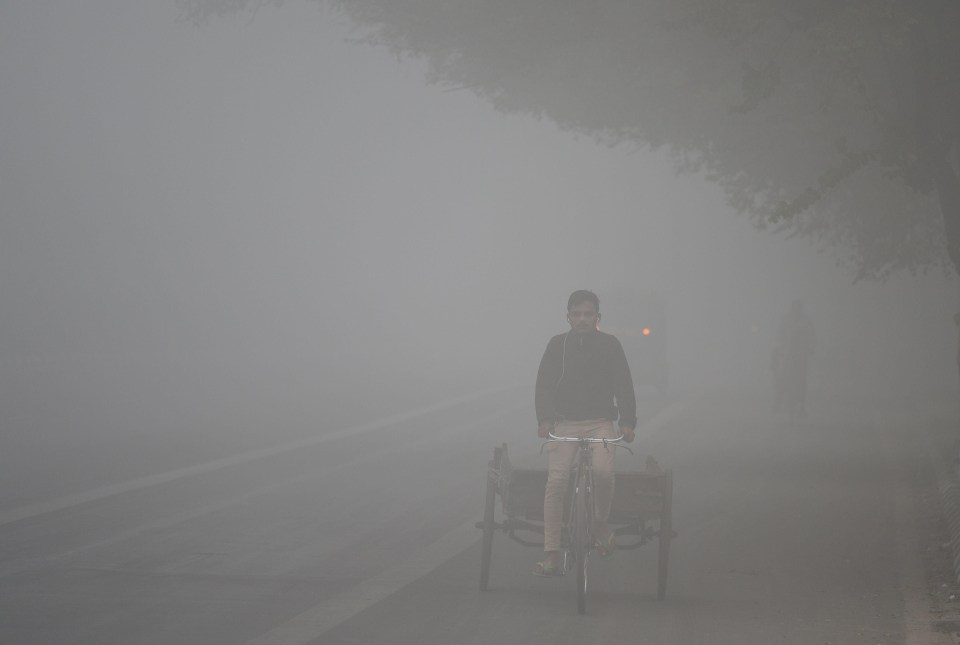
pixel 583 311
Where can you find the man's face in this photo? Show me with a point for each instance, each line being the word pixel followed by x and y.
pixel 583 317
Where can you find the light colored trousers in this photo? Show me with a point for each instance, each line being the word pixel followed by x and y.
pixel 560 458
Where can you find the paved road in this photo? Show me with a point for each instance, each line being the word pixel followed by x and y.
pixel 365 535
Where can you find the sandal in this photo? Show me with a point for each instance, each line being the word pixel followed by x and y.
pixel 606 546
pixel 547 569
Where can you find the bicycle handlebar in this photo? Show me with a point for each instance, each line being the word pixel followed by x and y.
pixel 554 437
pixel 586 440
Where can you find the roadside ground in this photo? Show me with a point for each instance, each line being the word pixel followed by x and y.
pixel 939 515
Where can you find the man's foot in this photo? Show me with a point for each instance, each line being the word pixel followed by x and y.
pixel 550 566
pixel 606 544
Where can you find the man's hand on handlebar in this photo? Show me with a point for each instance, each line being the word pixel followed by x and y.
pixel 544 430
pixel 628 434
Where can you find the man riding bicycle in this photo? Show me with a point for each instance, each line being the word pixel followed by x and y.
pixel 583 387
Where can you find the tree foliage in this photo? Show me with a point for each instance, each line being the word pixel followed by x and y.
pixel 833 120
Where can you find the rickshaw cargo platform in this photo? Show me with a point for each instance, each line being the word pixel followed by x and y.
pixel 641 510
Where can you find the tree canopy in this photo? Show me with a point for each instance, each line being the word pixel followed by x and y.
pixel 833 120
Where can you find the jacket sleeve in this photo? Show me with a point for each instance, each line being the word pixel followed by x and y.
pixel 623 388
pixel 547 377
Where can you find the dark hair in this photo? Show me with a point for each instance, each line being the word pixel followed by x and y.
pixel 583 295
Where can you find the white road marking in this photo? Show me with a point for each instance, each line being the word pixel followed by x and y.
pixel 313 623
pixel 21 564
pixel 316 621
pixel 33 510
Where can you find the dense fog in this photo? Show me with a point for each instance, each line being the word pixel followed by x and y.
pixel 213 236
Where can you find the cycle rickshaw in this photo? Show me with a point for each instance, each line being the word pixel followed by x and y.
pixel 641 510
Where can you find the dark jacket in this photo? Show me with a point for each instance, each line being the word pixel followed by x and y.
pixel 583 377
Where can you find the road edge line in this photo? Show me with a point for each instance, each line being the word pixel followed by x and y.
pixel 51 506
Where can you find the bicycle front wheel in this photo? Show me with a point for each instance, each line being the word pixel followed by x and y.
pixel 582 524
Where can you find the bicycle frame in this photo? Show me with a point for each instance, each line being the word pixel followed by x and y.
pixel 579 529
pixel 583 465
